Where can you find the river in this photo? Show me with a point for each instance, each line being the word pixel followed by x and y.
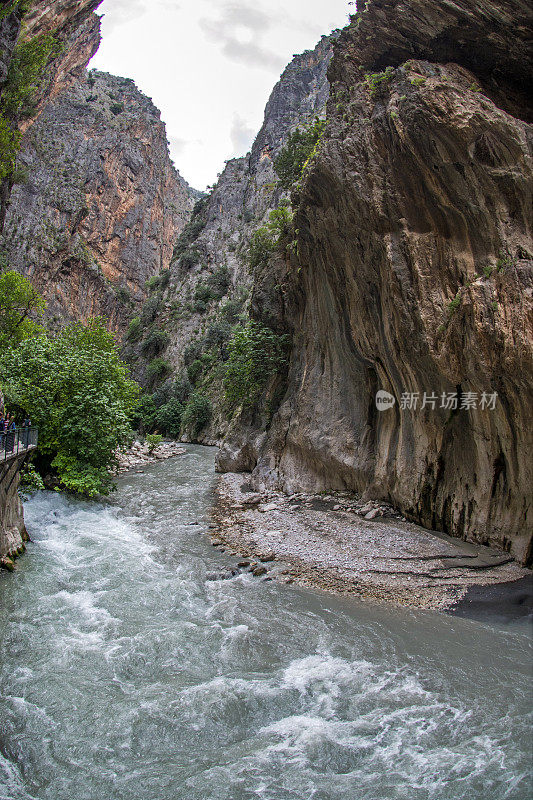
pixel 127 675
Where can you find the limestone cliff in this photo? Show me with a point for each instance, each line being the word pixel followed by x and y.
pixel 414 274
pixel 97 205
pixel 210 281
pixel 101 204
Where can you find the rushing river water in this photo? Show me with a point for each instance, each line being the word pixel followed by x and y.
pixel 126 675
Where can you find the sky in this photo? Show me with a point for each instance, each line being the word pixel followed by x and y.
pixel 210 65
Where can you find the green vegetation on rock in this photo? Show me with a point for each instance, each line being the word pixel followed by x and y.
pixel 256 354
pixel 301 145
pixel 19 305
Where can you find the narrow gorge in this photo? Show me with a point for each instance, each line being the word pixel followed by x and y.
pixel 266 508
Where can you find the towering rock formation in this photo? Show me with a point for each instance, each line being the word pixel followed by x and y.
pixel 415 276
pixel 97 205
pixel 100 205
pixel 212 252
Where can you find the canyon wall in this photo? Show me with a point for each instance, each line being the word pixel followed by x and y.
pixel 101 204
pixel 414 275
pixel 213 251
pixel 97 204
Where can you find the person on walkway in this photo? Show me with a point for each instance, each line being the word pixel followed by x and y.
pixel 26 425
pixel 11 429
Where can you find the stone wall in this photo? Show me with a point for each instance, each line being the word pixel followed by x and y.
pixel 12 529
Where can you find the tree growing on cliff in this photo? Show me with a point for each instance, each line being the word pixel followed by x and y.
pixel 301 145
pixel 20 303
pixel 256 354
pixel 76 390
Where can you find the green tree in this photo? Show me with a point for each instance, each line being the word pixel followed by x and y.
pixel 77 391
pixel 256 353
pixel 19 302
pixel 301 146
pixel 169 417
pixel 198 413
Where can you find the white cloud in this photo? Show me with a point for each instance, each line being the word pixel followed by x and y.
pixel 242 135
pixel 240 31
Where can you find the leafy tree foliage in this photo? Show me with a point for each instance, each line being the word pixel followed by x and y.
pixel 197 414
pixel 168 418
pixel 19 302
pixel 300 147
pixel 76 390
pixel 256 353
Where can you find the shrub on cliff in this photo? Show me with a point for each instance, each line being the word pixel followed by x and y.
pixel 20 303
pixel 300 147
pixel 158 369
pixel 155 342
pixel 275 235
pixel 256 354
pixel 77 391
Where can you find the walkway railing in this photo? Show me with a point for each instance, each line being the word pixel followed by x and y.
pixel 17 441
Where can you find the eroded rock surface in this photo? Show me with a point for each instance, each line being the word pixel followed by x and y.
pixel 415 255
pixel 102 204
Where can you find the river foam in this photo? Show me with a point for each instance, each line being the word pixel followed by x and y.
pixel 127 675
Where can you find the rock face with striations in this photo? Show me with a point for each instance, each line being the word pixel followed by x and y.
pixel 415 253
pixel 102 204
pixel 215 245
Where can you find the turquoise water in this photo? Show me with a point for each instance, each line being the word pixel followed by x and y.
pixel 127 675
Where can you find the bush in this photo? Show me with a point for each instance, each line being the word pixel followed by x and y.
pixel 189 258
pixel 155 343
pixel 152 283
pixel 203 293
pixel 256 353
pixel 158 369
pixel 194 370
pixel 77 392
pixel 267 239
pixel 231 311
pixel 197 414
pixel 30 478
pixel 153 440
pixel 123 294
pixel 150 310
pixel 217 334
pixel 169 418
pixel 378 82
pixel 192 352
pixel 116 108
pixel 261 248
pixel 218 283
pixel 191 231
pixel 300 147
pixel 134 330
pixel 182 388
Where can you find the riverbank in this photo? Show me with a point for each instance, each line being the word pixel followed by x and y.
pixel 339 544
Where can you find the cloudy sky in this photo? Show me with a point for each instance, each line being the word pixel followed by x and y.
pixel 210 65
